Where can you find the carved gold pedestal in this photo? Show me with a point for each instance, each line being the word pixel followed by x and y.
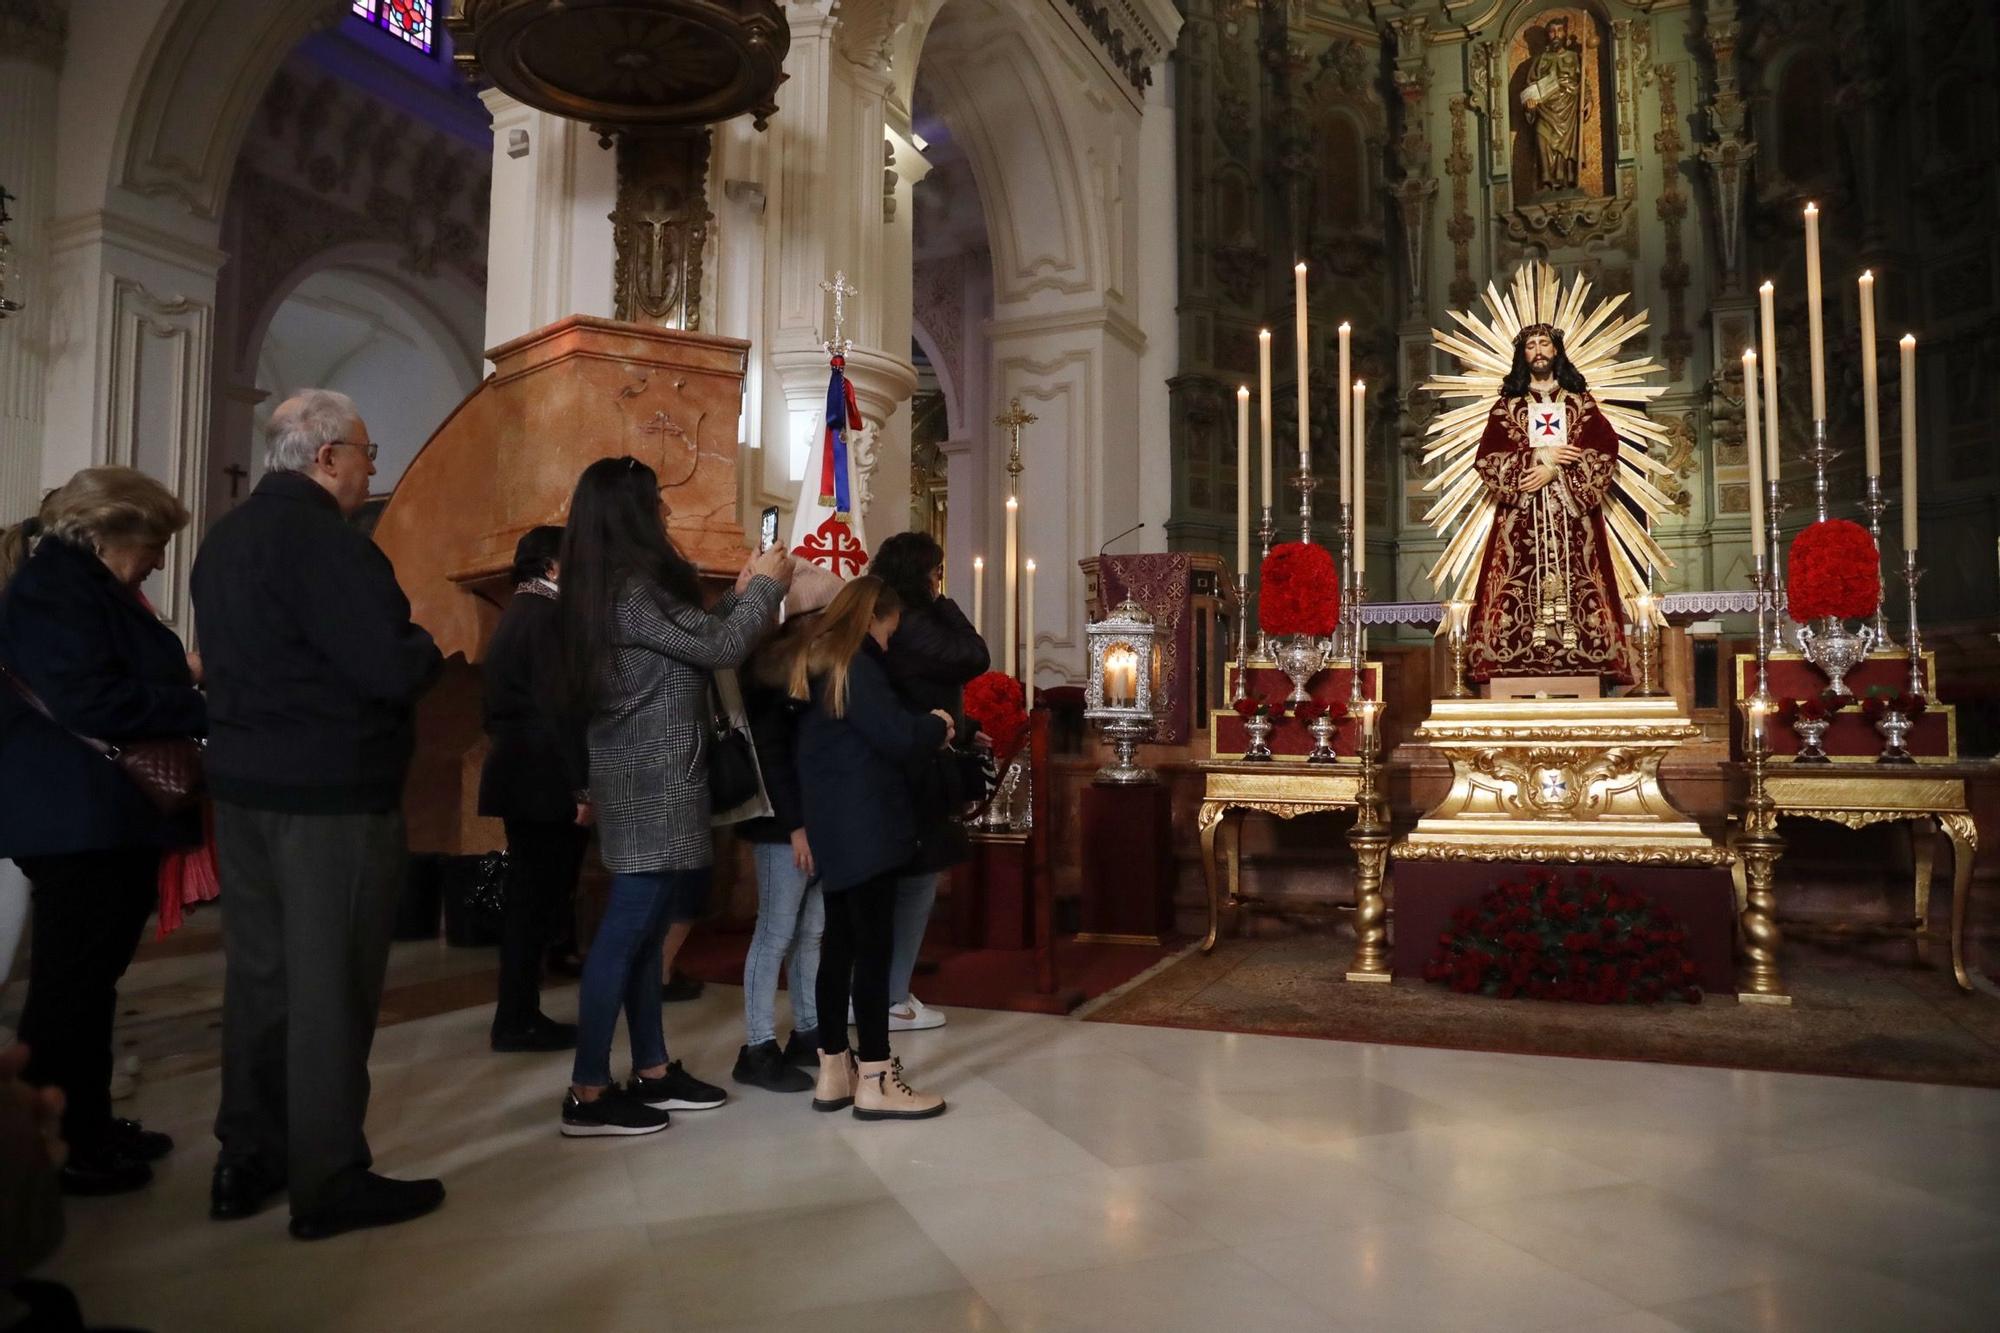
pixel 1558 780
pixel 1288 792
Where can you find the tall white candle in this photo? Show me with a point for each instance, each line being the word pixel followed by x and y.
pixel 1011 609
pixel 1360 553
pixel 1751 450
pixel 1305 409
pixel 1767 300
pixel 979 594
pixel 1243 478
pixel 1346 408
pixel 1814 333
pixel 1871 425
pixel 1909 350
pixel 1264 405
pixel 1028 635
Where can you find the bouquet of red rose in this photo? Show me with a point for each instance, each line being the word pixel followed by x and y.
pixel 1819 708
pixel 1298 590
pixel 1835 571
pixel 993 703
pixel 1890 698
pixel 1551 936
pixel 1250 706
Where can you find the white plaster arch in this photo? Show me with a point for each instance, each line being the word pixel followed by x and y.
pixel 955 407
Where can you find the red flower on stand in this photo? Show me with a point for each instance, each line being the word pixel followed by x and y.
pixel 1298 590
pixel 1835 571
pixel 993 702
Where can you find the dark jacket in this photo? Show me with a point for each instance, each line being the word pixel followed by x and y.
pixel 536 765
pixel 107 668
pixel 774 728
pixel 313 665
pixel 854 775
pixel 933 655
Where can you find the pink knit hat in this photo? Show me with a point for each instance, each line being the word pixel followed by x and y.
pixel 813 587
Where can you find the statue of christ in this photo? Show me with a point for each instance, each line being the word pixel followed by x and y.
pixel 1547 601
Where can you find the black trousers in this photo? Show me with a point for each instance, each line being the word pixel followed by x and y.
pixel 308 908
pixel 544 860
pixel 854 962
pixel 89 911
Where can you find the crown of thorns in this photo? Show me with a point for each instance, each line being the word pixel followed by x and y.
pixel 1529 330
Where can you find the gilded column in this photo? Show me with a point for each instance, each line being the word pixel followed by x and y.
pixel 32 35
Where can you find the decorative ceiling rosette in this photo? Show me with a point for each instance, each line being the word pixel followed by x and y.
pixel 622 63
pixel 1484 347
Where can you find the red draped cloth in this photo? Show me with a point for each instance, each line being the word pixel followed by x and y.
pixel 1548 552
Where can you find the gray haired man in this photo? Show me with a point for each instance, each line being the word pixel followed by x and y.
pixel 313 671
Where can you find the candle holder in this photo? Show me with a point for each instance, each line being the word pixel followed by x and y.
pixel 1370 841
pixel 1760 578
pixel 1772 514
pixel 1911 573
pixel 1306 484
pixel 1821 454
pixel 1646 638
pixel 1875 506
pixel 1359 666
pixel 1122 690
pixel 1242 690
pixel 1456 612
pixel 1343 641
pixel 1265 531
pixel 1759 845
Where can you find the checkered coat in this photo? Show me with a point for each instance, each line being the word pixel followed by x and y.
pixel 648 738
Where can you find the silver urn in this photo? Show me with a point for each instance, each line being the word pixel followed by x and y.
pixel 1835 649
pixel 1258 729
pixel 1894 728
pixel 1811 731
pixel 1300 657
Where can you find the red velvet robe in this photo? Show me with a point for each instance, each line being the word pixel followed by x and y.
pixel 1502 641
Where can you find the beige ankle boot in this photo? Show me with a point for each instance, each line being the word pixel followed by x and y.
pixel 881 1094
pixel 835 1089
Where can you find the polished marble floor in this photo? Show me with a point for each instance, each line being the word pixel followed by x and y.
pixel 1092 1176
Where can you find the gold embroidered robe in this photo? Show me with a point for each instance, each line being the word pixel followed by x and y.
pixel 1572 588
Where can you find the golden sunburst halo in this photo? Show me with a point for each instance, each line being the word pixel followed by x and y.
pixel 1484 347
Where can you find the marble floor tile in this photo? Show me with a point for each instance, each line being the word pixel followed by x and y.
pixel 1242 1198
pixel 1457 1164
pixel 1019 1229
pixel 1214 1290
pixel 575 1279
pixel 1850 1300
pixel 965 1151
pixel 755 1266
pixel 1427 1275
pixel 963 1311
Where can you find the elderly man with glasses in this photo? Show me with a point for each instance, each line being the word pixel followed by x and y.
pixel 313 672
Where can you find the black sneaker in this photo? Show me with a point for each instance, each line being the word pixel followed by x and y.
pixel 611 1115
pixel 137 1142
pixel 676 1090
pixel 802 1048
pixel 679 988
pixel 105 1169
pixel 764 1066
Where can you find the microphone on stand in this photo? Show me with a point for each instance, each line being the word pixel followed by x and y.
pixel 1120 537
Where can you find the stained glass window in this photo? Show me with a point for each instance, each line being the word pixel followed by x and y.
pixel 408 19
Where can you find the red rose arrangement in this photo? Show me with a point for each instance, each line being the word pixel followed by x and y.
pixel 1835 571
pixel 1574 936
pixel 1250 706
pixel 1885 698
pixel 993 703
pixel 1819 708
pixel 1298 590
pixel 1312 710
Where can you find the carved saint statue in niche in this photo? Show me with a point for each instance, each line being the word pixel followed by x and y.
pixel 1560 109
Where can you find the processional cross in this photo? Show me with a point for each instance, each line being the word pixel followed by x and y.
pixel 841 289
pixel 1011 421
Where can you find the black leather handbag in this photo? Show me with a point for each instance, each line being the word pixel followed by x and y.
pixel 732 760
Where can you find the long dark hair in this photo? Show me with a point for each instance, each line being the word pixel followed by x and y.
pixel 615 534
pixel 906 562
pixel 1566 375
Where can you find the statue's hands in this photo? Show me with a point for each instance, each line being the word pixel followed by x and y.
pixel 1565 454
pixel 1536 477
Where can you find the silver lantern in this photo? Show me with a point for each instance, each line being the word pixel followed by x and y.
pixel 1122 692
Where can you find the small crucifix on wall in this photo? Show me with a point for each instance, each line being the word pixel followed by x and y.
pixel 236 472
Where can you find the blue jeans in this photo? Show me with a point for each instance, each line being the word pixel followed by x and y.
pixel 915 895
pixel 622 970
pixel 791 917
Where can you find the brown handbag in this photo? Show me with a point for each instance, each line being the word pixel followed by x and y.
pixel 166 770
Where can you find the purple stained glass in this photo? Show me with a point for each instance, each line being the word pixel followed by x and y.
pixel 408 19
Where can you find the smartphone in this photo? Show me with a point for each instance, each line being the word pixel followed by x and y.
pixel 767 529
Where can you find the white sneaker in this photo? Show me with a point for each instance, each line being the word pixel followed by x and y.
pixel 913 1016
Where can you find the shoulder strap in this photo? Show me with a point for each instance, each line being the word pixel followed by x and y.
pixel 34 701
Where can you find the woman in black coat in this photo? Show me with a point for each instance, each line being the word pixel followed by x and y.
pixel 856 743
pixel 534 780
pixel 77 635
pixel 935 652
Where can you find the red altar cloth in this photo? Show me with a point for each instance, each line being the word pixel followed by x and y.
pixel 1852 738
pixel 1290 740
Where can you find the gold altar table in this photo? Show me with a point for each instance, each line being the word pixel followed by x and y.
pixel 1287 791
pixel 1931 798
